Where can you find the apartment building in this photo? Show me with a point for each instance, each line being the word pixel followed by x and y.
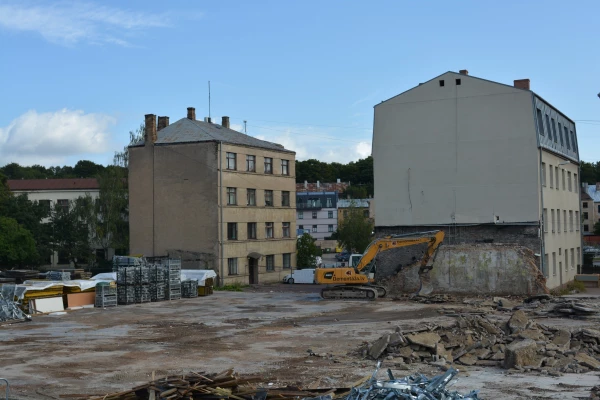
pixel 218 198
pixel 364 204
pixel 316 213
pixel 53 192
pixel 484 161
pixel 590 207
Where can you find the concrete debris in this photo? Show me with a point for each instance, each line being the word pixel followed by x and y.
pixel 562 307
pixel 409 388
pixel 519 343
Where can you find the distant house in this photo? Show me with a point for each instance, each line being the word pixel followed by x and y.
pixel 590 207
pixel 317 212
pixel 367 206
pixel 53 192
pixel 337 187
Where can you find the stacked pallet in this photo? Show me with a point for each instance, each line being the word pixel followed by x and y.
pixel 144 280
pixel 58 276
pixel 106 295
pixel 189 288
pixel 157 282
pixel 172 270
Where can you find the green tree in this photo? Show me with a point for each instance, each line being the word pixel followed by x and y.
pixel 112 209
pixel 597 228
pixel 306 252
pixel 17 246
pixel 359 173
pixel 355 192
pixel 87 169
pixel 70 235
pixel 121 158
pixel 355 230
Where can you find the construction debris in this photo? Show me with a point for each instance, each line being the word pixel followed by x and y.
pixel 58 276
pixel 9 310
pixel 228 385
pixel 518 343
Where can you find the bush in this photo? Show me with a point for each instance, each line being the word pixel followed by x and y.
pixel 576 286
pixel 233 287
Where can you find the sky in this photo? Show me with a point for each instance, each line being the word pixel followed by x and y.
pixel 77 76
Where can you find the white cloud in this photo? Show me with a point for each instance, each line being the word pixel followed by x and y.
pixel 71 22
pixel 328 145
pixel 49 138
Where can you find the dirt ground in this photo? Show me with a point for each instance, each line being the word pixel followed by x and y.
pixel 266 330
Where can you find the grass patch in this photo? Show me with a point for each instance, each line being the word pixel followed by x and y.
pixel 233 287
pixel 577 286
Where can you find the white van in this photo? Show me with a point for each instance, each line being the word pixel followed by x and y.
pixel 300 276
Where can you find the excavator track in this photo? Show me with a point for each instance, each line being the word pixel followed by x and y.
pixel 351 292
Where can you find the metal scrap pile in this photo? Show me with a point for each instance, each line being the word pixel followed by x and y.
pixel 228 385
pixel 9 310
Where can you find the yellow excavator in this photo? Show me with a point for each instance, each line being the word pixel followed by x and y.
pixel 356 282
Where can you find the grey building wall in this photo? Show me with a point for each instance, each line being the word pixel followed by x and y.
pixel 456 154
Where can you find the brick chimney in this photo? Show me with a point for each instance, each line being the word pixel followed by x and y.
pixel 191 113
pixel 225 122
pixel 464 72
pixel 150 131
pixel 522 84
pixel 163 122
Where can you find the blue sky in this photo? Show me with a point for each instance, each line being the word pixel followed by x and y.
pixel 78 76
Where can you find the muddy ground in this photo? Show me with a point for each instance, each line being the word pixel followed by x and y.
pixel 267 330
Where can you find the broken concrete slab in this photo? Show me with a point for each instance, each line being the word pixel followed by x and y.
pixel 520 353
pixel 532 334
pixel 591 333
pixel 518 321
pixel 562 339
pixel 587 361
pixel 468 359
pixel 425 339
pixel 379 346
pixel 396 339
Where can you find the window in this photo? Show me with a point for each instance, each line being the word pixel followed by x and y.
pixel 45 204
pixel 269 198
pixel 314 228
pixel 564 220
pixel 540 123
pixel 556 176
pixel 577 221
pixel 551 177
pixel 548 129
pixel 269 230
pixel 573 142
pixel 552 216
pixel 330 214
pixel 554 263
pixel 598 208
pixel 567 138
pixel 285 198
pixel 544 174
pixel 300 214
pixel 586 228
pixel 366 213
pixel 345 213
pixel 232 267
pixel 62 204
pixel 231 196
pixel 569 181
pixel 563 179
pixel 329 228
pixel 251 163
pixel 554 131
pixel 571 220
pixel 268 165
pixel 231 164
pixel 546 265
pixel 251 230
pixel 584 204
pixel 441 82
pixel 560 133
pixel 572 258
pixel 545 219
pixel 251 197
pixel 558 220
pixel 232 230
pixel 575 182
pixel 329 202
pixel 314 215
pixel 585 215
pixel 458 81
pixel 287 260
pixel 270 262
pixel 566 259
pixel 301 227
pixel 286 229
pixel 578 256
pixel 285 167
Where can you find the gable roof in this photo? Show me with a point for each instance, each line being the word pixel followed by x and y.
pixel 193 131
pixel 346 203
pixel 53 184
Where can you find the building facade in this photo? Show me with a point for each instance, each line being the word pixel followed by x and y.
pixel 53 192
pixel 215 197
pixel 590 207
pixel 484 161
pixel 363 204
pixel 316 213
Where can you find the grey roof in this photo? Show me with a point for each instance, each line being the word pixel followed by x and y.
pixel 345 203
pixel 593 193
pixel 193 131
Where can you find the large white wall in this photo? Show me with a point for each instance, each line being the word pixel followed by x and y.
pixel 456 154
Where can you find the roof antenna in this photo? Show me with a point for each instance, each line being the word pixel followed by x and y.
pixel 245 127
pixel 209 101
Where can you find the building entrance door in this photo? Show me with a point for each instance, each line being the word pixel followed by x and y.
pixel 252 270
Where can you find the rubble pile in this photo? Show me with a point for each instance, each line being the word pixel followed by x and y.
pixel 519 343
